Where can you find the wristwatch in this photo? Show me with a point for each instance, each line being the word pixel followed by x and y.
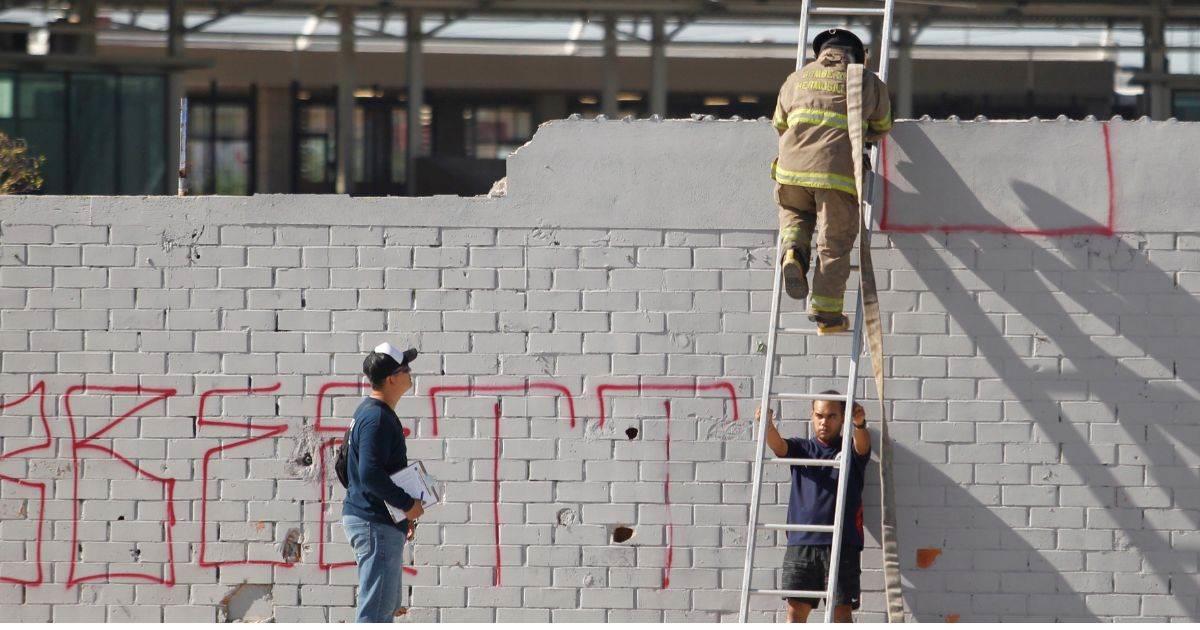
pixel 859 426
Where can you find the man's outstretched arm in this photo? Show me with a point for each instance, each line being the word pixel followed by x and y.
pixel 774 439
pixel 862 439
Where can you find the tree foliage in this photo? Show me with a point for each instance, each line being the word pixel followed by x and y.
pixel 20 172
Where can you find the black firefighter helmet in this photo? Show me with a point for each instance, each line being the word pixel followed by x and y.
pixel 840 37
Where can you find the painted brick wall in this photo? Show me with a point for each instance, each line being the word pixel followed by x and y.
pixel 173 380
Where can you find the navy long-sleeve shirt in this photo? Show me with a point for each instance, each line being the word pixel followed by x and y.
pixel 376 452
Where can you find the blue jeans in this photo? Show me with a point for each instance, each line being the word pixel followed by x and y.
pixel 379 552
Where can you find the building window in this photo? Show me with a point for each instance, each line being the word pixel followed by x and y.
pixel 316 144
pixel 399 132
pixel 495 131
pixel 220 145
pixel 1187 105
pixel 99 133
pixel 379 150
pixel 142 146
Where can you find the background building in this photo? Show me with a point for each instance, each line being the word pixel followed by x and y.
pixel 436 94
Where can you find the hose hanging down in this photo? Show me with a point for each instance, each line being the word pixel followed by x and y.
pixel 869 309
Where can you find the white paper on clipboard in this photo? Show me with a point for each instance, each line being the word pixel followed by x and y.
pixel 418 484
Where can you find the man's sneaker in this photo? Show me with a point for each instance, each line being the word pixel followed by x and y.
pixel 830 323
pixel 795 280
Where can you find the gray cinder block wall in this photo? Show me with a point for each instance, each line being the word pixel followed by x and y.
pixel 175 371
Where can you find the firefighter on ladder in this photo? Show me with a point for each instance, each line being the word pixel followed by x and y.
pixel 814 173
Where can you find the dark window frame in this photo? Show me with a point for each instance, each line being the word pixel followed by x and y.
pixel 390 101
pixel 1177 104
pixel 67 79
pixel 214 98
pixel 319 99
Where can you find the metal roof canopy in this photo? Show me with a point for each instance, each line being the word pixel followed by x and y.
pixel 1007 10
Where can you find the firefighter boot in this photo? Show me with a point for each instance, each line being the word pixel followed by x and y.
pixel 830 323
pixel 795 276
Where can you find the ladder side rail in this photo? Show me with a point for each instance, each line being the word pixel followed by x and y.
pixel 839 515
pixel 761 439
pixel 875 174
pixel 855 352
pixel 885 46
pixel 802 40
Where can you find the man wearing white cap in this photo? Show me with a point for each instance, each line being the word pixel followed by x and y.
pixel 376 451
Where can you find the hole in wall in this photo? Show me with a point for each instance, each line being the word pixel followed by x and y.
pixel 622 533
pixel 247 603
pixel 631 432
pixel 290 547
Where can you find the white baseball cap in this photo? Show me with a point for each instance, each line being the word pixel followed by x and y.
pixel 402 357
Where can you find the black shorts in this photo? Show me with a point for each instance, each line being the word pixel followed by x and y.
pixel 805 568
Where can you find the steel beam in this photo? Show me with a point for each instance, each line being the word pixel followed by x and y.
pixel 345 102
pixel 415 78
pixel 175 92
pixel 658 66
pixel 608 93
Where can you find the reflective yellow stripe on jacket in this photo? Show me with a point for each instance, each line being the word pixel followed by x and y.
pixel 881 126
pixel 829 181
pixel 780 121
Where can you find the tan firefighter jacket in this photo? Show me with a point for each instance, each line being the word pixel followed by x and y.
pixel 810 115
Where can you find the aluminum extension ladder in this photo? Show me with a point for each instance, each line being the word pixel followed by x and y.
pixel 842 462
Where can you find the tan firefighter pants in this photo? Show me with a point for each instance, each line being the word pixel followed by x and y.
pixel 801 212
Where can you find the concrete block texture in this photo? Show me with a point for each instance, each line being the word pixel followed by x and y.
pixel 174 371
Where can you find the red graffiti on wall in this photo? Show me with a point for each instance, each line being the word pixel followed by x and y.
pixel 99 441
pixel 327 445
pixel 496 492
pixel 472 390
pixel 693 389
pixel 271 431
pixel 38 390
pixel 666 576
pixel 88 443
pixel 321 425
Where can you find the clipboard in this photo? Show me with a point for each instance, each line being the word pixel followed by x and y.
pixel 418 484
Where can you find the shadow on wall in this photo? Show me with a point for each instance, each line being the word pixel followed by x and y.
pixel 965 558
pixel 947 195
pixel 1107 383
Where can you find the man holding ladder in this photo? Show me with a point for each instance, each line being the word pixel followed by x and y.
pixel 813 500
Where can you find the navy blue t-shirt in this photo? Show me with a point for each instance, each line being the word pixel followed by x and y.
pixel 814 492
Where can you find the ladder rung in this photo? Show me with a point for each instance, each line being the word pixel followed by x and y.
pixel 839 397
pixel 819 529
pixel 783 593
pixel 847 11
pixel 832 463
